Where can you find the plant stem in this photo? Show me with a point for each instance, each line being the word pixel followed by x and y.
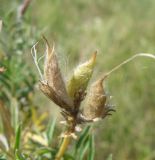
pixel 128 60
pixel 63 147
pixel 24 7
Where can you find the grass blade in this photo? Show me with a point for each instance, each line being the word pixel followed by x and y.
pixel 14 112
pixel 110 157
pixel 91 154
pixel 17 138
pixel 84 148
pixel 6 121
pixel 19 156
pixel 82 137
pixel 50 130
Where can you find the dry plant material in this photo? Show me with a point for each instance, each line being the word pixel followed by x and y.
pixel 96 106
pixel 53 84
pixel 1 25
pixel 2 69
pixel 23 8
pixel 6 121
pixel 69 96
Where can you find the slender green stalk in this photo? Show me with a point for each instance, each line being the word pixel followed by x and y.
pixel 128 60
pixel 63 147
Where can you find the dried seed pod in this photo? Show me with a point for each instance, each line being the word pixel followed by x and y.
pixel 55 97
pixel 81 76
pixel 53 85
pixel 96 101
pixel 52 72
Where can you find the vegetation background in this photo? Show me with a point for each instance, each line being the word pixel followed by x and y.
pixel 117 29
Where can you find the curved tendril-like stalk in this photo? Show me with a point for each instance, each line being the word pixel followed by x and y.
pixel 149 55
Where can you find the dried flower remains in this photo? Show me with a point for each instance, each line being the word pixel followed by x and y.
pixel 68 96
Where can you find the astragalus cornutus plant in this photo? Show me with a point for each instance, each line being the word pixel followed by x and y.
pixel 68 96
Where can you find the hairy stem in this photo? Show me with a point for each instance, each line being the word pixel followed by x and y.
pixel 63 147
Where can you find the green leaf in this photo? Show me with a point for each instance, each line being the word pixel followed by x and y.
pixel 42 151
pixel 83 149
pixel 82 137
pixel 81 144
pixel 14 112
pixel 68 157
pixel 17 138
pixel 19 155
pixel 2 157
pixel 91 154
pixel 110 157
pixel 50 130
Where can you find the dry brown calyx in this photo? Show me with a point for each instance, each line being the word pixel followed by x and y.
pixel 96 106
pixel 69 100
pixel 53 84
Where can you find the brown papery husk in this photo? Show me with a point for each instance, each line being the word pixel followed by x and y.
pixel 51 94
pixel 53 76
pixel 95 101
pixel 6 121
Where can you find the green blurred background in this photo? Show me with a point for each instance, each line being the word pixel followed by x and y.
pixel 118 29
